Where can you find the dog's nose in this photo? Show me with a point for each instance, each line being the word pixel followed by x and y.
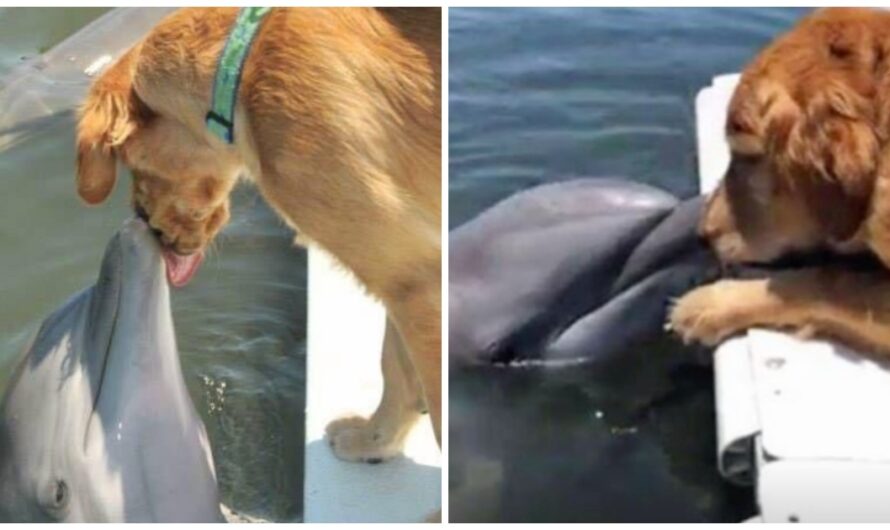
pixel 707 231
pixel 142 214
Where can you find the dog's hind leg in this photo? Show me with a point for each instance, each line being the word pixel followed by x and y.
pixel 417 312
pixel 382 436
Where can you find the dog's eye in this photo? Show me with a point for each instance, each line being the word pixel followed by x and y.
pixel 839 50
pixel 736 126
pixel 745 161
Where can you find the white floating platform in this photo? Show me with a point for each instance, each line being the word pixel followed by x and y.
pixel 805 422
pixel 345 341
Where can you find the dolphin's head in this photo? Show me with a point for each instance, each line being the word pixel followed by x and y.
pixel 97 424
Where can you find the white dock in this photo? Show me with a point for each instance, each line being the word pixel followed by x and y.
pixel 343 376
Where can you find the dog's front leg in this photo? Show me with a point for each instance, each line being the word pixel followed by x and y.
pixel 382 436
pixel 852 307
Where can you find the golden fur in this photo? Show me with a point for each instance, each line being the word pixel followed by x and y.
pixel 807 128
pixel 338 125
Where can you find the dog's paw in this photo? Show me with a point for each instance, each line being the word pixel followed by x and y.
pixel 702 315
pixel 356 439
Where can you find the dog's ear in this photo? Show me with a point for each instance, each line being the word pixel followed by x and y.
pixel 107 118
pixel 832 154
pixel 760 117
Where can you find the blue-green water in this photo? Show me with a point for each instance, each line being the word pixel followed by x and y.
pixel 240 323
pixel 539 95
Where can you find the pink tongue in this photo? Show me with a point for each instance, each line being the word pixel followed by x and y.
pixel 180 269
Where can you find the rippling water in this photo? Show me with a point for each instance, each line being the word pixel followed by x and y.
pixel 240 323
pixel 540 95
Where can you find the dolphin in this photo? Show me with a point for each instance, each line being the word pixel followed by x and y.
pixel 563 381
pixel 572 271
pixel 96 424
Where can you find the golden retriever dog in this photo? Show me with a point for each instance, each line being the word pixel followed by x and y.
pixel 810 170
pixel 337 122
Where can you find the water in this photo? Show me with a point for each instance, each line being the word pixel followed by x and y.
pixel 539 95
pixel 240 323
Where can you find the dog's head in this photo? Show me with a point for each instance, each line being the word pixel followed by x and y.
pixel 180 184
pixel 805 132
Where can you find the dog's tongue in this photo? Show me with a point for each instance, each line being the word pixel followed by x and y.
pixel 180 269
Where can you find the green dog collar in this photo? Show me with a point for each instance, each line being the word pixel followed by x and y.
pixel 221 118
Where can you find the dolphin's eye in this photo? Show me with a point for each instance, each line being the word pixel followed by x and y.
pixel 55 498
pixel 60 497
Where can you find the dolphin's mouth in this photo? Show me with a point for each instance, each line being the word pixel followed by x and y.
pixel 180 268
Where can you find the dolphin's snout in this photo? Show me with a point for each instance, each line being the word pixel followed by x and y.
pixel 136 224
pixel 138 248
pixel 137 231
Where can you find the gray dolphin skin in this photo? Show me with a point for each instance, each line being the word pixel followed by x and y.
pixel 96 424
pixel 570 271
pixel 561 372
